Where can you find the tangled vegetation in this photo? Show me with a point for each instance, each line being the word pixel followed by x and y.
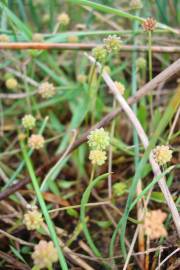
pixel 89 126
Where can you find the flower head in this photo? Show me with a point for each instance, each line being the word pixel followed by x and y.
pixel 63 18
pixel 107 69
pixel 112 43
pixel 46 18
pixel 149 24
pixel 4 38
pixel 47 90
pixel 21 136
pixel 36 141
pixel 98 139
pixel 73 39
pixel 162 154
pixel 81 78
pixel 44 254
pixel 153 224
pixel 97 157
pixel 141 63
pixel 136 4
pixel 11 83
pixel 100 54
pixel 37 37
pixel 33 219
pixel 28 121
pixel 120 87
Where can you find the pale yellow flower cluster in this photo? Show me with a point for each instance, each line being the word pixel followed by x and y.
pixel 44 255
pixel 136 4
pixel 63 18
pixel 4 38
pixel 153 224
pixel 47 90
pixel 98 141
pixel 37 37
pixel 11 83
pixel 28 121
pixel 112 44
pixel 162 154
pixel 100 54
pixel 36 141
pixel 97 157
pixel 120 87
pixel 33 219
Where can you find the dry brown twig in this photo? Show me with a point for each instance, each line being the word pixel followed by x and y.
pixel 82 46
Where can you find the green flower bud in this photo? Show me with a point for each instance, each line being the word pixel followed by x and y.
pixel 28 121
pixel 98 139
pixel 100 54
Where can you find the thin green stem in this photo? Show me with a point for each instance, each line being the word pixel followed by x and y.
pixel 92 175
pixel 150 69
pixel 110 154
pixel 94 95
pixel 42 204
pixel 150 54
pixel 84 202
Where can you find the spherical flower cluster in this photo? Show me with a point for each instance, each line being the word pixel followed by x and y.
pixel 45 18
pixel 4 38
pixel 107 69
pixel 100 54
pixel 28 121
pixel 162 154
pixel 136 4
pixel 141 63
pixel 149 24
pixel 98 139
pixel 21 136
pixel 44 254
pixel 81 78
pixel 33 219
pixel 11 83
pixel 47 90
pixel 63 18
pixel 73 39
pixel 97 157
pixel 120 87
pixel 112 43
pixel 153 224
pixel 37 37
pixel 36 141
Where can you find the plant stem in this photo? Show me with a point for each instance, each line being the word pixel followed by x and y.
pixel 110 154
pixel 47 217
pixel 150 69
pixel 84 202
pixel 150 54
pixel 136 143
